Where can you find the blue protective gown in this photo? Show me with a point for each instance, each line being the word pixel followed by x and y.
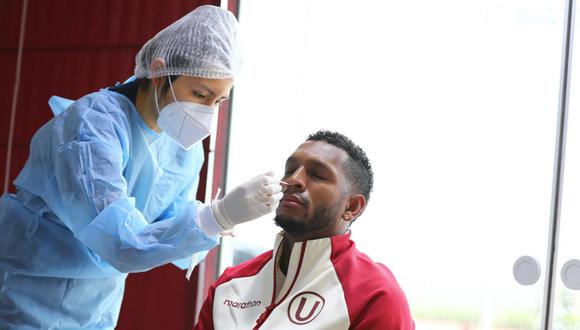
pixel 101 195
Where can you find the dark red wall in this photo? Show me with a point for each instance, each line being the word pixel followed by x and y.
pixel 71 48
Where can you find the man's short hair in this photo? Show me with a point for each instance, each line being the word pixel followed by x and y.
pixel 357 166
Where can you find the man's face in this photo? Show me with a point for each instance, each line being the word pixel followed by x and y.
pixel 317 194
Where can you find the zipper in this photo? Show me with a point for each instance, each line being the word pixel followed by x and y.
pixel 264 316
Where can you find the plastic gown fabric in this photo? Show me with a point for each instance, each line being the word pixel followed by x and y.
pixel 101 195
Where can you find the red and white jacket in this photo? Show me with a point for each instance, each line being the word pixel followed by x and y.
pixel 329 285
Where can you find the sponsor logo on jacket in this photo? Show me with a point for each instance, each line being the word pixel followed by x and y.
pixel 242 305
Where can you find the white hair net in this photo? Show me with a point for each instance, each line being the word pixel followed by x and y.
pixel 203 43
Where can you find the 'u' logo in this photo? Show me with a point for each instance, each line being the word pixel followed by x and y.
pixel 305 307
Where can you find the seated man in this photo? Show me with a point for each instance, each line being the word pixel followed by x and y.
pixel 314 277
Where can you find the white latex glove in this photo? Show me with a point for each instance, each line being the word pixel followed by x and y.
pixel 248 201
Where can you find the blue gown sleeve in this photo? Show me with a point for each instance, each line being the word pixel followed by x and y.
pixel 184 198
pixel 90 149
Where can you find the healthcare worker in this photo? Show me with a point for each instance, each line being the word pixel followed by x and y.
pixel 109 186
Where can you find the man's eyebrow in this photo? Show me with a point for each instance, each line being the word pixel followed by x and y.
pixel 314 162
pixel 318 163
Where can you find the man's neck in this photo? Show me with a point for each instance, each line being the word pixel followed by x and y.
pixel 287 245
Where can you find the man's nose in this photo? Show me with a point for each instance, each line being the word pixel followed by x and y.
pixel 297 178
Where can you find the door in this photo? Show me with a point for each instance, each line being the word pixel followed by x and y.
pixel 565 300
pixel 456 104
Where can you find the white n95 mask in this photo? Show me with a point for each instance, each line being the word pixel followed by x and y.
pixel 185 122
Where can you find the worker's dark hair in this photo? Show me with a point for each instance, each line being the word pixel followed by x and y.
pixel 357 166
pixel 145 82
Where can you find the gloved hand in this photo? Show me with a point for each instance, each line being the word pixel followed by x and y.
pixel 248 201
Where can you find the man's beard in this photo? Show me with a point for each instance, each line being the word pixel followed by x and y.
pixel 323 217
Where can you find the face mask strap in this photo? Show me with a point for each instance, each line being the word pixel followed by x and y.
pixel 172 92
pixel 156 102
pixel 171 87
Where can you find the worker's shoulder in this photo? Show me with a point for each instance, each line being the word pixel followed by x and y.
pixel 105 102
pixel 246 269
pixel 95 116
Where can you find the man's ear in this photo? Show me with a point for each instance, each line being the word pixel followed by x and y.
pixel 157 64
pixel 354 207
